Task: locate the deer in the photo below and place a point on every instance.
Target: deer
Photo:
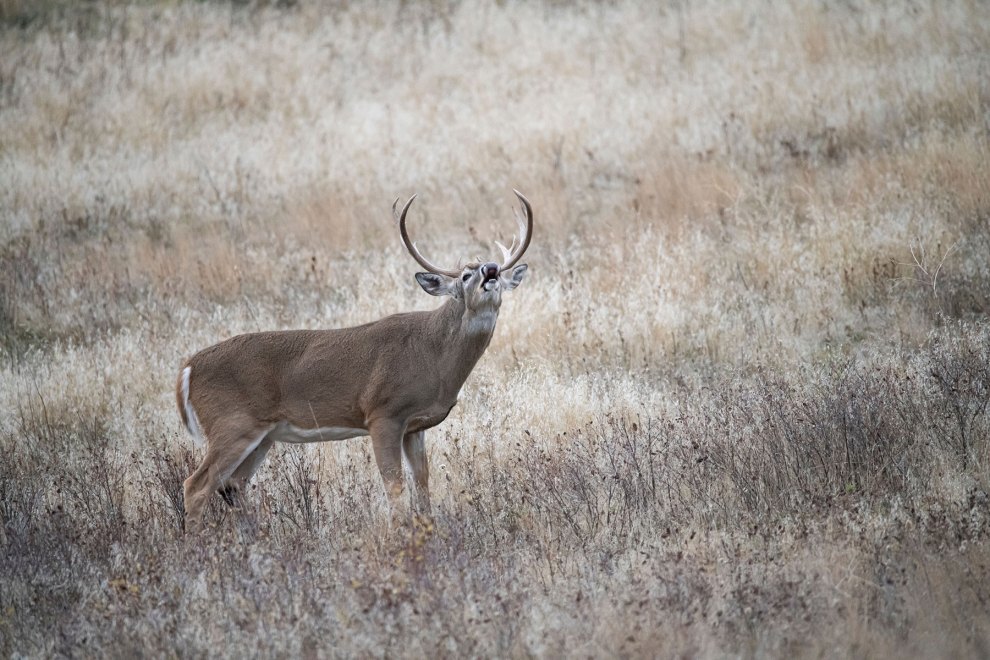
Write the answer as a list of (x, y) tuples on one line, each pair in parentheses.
[(391, 379)]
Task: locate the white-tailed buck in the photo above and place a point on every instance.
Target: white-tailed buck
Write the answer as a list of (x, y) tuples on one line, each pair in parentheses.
[(391, 379)]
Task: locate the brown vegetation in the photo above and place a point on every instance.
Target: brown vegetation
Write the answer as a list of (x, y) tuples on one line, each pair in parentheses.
[(740, 407)]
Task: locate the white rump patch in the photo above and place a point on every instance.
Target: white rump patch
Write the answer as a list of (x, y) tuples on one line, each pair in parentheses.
[(192, 421), (286, 432)]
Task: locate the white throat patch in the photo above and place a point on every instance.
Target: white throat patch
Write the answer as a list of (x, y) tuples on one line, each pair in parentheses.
[(481, 322)]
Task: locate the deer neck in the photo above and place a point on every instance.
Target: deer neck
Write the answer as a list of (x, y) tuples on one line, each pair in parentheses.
[(466, 334)]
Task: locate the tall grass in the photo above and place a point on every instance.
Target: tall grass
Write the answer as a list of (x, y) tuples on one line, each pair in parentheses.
[(738, 408)]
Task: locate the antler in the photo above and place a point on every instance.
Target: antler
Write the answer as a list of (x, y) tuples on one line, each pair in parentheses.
[(506, 251), (512, 254), (423, 261)]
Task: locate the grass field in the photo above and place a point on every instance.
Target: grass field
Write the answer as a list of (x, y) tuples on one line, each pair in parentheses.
[(738, 407)]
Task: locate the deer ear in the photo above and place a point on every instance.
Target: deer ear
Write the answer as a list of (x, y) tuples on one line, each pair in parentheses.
[(435, 285), (517, 275)]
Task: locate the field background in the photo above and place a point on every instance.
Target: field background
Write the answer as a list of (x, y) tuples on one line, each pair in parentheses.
[(738, 407)]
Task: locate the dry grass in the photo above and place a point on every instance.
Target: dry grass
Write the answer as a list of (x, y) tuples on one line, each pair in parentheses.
[(739, 407)]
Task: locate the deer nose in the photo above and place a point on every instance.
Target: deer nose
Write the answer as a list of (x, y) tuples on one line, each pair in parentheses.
[(489, 270)]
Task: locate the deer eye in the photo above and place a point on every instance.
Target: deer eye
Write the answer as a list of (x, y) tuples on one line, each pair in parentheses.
[(465, 277)]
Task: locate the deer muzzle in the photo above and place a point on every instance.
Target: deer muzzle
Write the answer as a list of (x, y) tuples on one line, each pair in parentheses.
[(489, 271)]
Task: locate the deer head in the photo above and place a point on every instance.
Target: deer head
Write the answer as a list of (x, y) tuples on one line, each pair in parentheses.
[(478, 285)]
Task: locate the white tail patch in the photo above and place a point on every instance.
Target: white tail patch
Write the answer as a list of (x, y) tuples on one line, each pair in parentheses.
[(192, 421)]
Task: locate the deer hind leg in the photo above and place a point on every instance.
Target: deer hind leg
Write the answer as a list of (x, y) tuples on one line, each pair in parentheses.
[(414, 447), (236, 484), (228, 447)]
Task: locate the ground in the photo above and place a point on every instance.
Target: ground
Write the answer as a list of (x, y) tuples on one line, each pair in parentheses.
[(737, 408)]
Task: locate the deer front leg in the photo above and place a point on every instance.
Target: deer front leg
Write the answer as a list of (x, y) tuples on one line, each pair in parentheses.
[(386, 438), (414, 447)]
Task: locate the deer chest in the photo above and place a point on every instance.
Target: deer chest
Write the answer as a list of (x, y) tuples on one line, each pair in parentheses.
[(430, 417)]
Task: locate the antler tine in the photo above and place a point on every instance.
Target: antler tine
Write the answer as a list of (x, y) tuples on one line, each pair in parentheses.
[(506, 251), (411, 247), (525, 232)]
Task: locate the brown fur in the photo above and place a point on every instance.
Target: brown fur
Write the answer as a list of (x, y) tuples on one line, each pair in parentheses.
[(347, 377), (395, 377)]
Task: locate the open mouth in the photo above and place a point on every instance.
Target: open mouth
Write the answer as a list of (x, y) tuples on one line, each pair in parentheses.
[(490, 283)]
